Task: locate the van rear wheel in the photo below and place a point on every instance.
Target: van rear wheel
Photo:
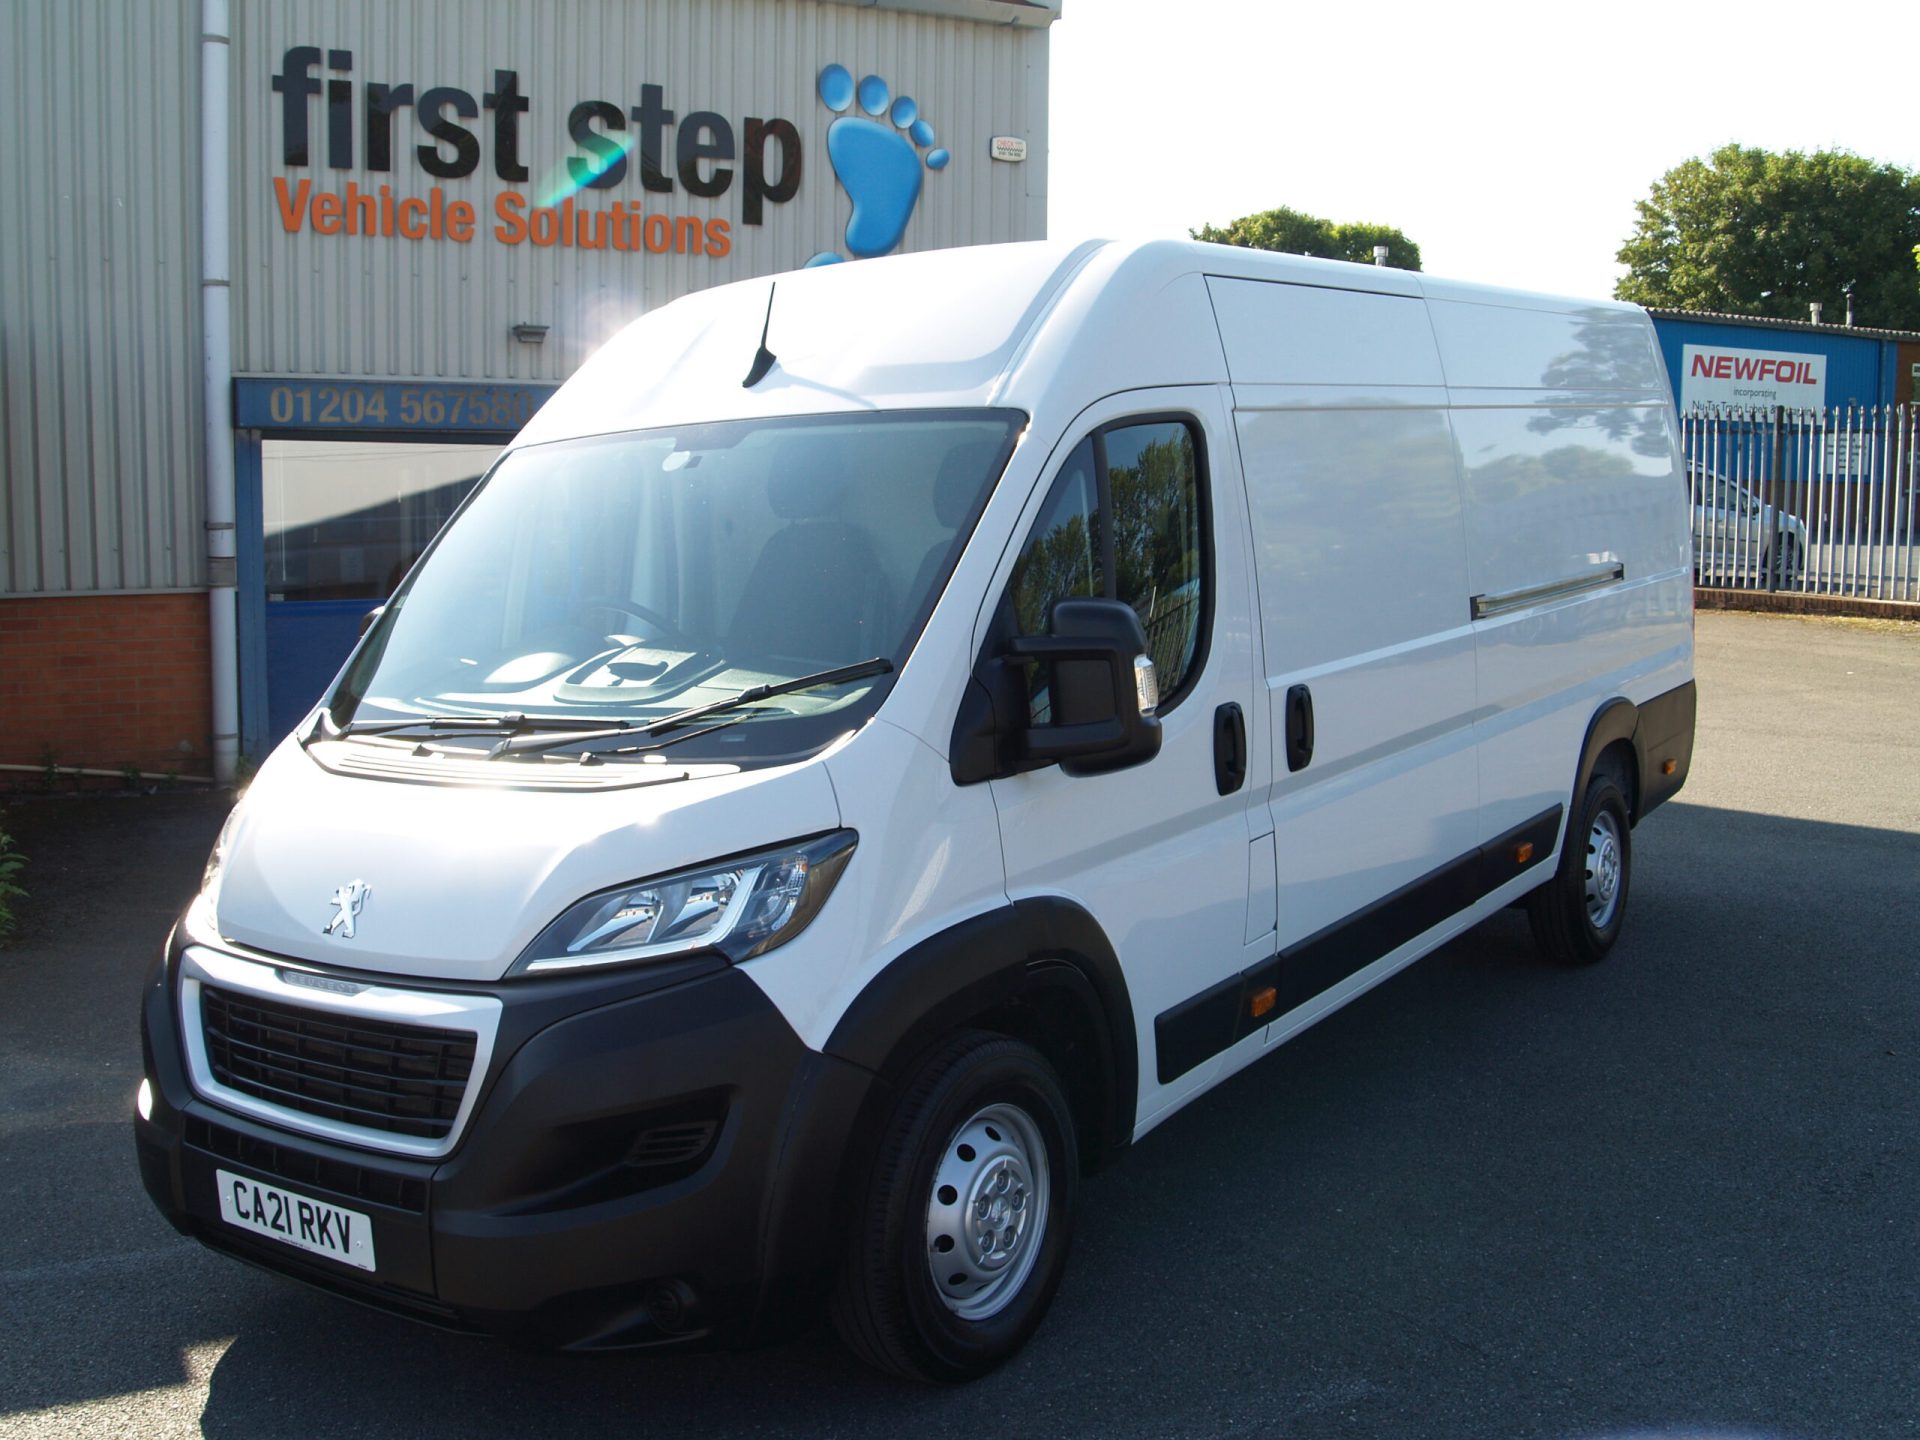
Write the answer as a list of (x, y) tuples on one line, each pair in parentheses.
[(1576, 916), (962, 1227)]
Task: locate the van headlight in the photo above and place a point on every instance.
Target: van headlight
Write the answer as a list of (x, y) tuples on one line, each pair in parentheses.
[(199, 919), (740, 907), (217, 857)]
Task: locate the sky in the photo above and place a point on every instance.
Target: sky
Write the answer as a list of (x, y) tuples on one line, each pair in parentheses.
[(1509, 142)]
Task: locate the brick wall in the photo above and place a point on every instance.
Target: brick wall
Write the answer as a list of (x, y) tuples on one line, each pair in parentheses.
[(105, 681)]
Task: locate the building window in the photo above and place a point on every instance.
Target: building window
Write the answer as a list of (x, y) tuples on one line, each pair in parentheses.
[(346, 519)]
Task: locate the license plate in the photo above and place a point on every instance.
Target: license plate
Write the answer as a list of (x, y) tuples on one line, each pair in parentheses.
[(311, 1225)]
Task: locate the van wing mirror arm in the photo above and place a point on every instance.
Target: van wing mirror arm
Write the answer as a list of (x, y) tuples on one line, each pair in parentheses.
[(1048, 743), (979, 750)]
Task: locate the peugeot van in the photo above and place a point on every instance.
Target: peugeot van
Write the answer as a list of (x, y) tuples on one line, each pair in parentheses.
[(885, 738)]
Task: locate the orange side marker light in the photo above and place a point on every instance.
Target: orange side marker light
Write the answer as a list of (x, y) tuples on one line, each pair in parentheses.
[(1262, 1001), (1667, 767), (1523, 852)]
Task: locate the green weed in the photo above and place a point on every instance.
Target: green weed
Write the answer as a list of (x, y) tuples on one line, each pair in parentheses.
[(12, 862)]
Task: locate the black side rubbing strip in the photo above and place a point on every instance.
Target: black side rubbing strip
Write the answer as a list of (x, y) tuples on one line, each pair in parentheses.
[(1202, 1026), (1197, 1029), (1499, 857)]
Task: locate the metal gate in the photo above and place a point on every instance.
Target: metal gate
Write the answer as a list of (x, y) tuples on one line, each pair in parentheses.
[(1816, 502)]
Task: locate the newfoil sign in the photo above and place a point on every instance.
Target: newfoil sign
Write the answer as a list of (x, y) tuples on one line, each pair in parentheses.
[(1720, 375)]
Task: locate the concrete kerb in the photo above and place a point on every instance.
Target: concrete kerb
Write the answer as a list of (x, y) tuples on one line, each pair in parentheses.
[(1793, 602)]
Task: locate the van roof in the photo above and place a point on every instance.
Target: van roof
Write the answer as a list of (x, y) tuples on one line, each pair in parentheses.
[(990, 325)]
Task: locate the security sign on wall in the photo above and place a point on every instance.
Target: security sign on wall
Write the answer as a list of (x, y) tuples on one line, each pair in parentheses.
[(1718, 375)]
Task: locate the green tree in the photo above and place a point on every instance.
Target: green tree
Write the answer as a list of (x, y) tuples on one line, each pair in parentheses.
[(1749, 232), (1294, 233)]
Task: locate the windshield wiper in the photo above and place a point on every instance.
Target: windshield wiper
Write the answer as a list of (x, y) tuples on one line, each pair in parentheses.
[(593, 757), (530, 745), (512, 723)]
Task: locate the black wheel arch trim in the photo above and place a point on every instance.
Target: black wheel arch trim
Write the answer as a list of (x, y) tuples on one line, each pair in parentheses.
[(985, 963), (1659, 731), (1612, 724)]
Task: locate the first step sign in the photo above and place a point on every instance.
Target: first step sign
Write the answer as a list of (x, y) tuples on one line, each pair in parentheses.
[(1717, 375)]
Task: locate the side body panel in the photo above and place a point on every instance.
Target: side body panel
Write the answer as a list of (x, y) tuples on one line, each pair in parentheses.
[(1572, 478), (1358, 531)]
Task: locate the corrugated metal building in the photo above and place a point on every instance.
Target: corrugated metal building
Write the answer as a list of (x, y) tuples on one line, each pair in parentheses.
[(1716, 358), (434, 212)]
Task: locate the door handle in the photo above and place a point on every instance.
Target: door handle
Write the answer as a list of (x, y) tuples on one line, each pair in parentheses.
[(1229, 748), (1299, 727)]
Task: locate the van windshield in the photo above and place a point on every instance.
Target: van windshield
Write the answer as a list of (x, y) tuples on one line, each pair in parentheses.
[(620, 579)]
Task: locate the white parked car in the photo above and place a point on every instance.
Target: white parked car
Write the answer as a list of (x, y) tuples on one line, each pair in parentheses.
[(1737, 537), (883, 740)]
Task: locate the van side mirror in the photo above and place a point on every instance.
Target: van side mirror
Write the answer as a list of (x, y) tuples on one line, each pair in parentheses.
[(1102, 692), (367, 620)]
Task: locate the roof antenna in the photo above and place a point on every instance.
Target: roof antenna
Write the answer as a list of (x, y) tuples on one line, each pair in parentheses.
[(763, 361)]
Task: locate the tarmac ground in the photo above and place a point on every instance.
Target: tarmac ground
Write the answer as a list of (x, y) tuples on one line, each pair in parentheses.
[(1677, 1194)]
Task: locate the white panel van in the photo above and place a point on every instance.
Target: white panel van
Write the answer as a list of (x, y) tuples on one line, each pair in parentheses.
[(885, 738)]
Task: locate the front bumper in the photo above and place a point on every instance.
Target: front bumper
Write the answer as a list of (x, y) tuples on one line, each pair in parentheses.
[(554, 1219)]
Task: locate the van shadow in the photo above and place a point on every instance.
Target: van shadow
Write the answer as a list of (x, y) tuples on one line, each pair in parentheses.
[(98, 1296), (1488, 1194)]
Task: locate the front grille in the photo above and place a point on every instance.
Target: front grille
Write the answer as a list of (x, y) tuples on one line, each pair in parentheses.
[(401, 1079), (283, 1162), (673, 1145)]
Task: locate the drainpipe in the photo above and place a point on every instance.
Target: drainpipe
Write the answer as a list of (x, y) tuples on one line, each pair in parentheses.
[(216, 387)]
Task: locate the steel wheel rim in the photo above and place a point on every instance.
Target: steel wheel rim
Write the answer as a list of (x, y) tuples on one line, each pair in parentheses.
[(987, 1211), (1606, 865)]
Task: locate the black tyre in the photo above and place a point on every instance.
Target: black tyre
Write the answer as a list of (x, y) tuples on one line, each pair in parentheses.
[(1576, 915), (1786, 561), (963, 1223)]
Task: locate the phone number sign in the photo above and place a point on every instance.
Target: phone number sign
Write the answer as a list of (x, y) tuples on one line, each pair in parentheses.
[(392, 406)]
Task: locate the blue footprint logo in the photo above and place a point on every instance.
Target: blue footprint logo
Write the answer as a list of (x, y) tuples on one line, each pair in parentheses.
[(876, 162)]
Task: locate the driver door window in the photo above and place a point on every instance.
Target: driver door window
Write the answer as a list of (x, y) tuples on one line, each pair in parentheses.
[(1124, 521)]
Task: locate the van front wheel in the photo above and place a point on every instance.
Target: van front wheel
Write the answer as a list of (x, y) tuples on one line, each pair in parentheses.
[(961, 1230), (1576, 915)]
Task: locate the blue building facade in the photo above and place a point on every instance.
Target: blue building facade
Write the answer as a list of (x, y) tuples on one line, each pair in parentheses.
[(1860, 366)]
